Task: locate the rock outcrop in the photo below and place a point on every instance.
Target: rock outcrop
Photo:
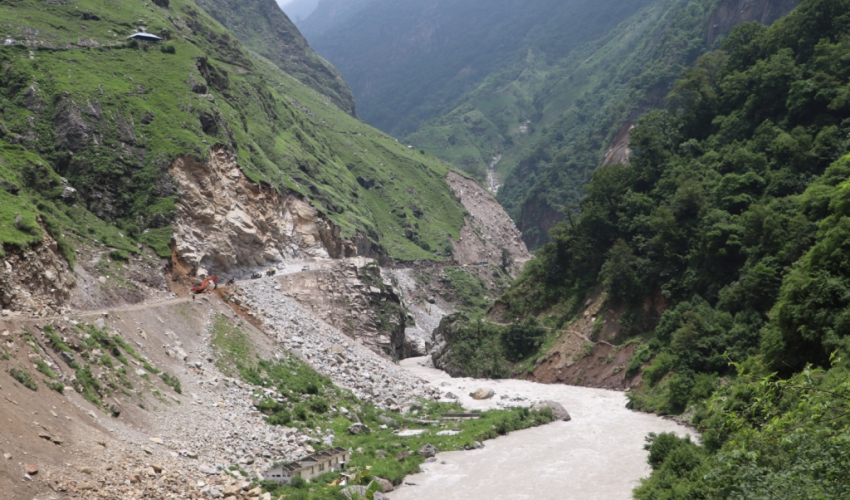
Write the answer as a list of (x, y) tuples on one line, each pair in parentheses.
[(352, 296), (227, 224), (730, 13), (488, 230), (36, 279)]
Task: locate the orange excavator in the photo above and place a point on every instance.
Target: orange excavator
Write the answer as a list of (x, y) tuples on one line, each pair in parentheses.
[(203, 286)]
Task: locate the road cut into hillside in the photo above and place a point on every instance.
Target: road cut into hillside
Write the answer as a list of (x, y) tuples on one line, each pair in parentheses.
[(598, 455)]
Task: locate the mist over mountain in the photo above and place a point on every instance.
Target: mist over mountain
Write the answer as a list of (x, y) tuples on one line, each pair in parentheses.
[(407, 61), (298, 10)]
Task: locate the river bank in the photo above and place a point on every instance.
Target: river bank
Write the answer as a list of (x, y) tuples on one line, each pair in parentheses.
[(598, 455)]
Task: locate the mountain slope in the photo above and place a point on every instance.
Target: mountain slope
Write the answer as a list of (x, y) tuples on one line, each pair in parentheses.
[(263, 28), (92, 128), (407, 61), (544, 126), (328, 14), (717, 260)]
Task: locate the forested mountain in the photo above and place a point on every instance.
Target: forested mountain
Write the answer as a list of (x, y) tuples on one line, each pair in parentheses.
[(91, 124), (408, 60), (724, 246), (328, 14), (550, 122)]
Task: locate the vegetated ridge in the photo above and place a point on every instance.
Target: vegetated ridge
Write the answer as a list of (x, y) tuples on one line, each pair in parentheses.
[(263, 28), (91, 125), (720, 250), (543, 123), (408, 61)]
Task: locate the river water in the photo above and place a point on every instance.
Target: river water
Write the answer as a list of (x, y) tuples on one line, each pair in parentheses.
[(598, 455)]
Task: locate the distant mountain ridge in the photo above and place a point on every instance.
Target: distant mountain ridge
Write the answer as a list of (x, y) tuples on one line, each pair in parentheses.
[(552, 124), (408, 61)]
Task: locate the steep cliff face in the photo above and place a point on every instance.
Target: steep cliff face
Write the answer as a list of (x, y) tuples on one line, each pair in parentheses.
[(226, 223), (488, 230), (263, 27), (351, 295), (730, 13)]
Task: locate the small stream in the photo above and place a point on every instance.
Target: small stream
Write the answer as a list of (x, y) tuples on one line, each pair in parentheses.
[(598, 455)]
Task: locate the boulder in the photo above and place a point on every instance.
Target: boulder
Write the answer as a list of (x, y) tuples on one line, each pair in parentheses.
[(358, 428), (483, 393), (428, 450), (386, 485), (31, 469), (558, 411), (359, 490)]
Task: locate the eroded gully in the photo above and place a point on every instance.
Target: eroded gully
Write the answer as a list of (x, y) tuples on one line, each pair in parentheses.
[(598, 455)]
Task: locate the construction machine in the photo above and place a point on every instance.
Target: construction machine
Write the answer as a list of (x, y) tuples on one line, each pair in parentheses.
[(203, 286)]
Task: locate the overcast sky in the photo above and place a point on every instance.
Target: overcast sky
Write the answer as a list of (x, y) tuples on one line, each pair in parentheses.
[(296, 9)]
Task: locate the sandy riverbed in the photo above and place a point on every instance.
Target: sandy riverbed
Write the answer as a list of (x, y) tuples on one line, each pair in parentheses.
[(598, 455)]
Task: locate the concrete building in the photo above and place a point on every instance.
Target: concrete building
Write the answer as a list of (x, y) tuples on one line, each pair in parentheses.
[(308, 467)]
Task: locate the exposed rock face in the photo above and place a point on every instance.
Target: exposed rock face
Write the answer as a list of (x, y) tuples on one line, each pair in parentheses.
[(619, 150), (353, 297), (488, 230), (226, 223), (731, 13), (36, 279)]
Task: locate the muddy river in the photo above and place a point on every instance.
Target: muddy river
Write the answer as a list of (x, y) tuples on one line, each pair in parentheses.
[(598, 455)]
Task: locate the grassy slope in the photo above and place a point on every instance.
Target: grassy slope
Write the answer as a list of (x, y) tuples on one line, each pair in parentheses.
[(265, 29), (588, 93), (138, 113)]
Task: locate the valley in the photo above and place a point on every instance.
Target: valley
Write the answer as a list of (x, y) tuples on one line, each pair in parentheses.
[(547, 249)]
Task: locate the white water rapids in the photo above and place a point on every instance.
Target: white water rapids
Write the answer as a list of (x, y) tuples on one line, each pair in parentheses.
[(598, 455)]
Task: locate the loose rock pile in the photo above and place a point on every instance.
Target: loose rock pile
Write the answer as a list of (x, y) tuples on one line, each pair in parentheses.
[(349, 364)]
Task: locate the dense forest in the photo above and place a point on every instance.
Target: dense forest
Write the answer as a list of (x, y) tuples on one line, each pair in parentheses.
[(733, 219), (551, 117)]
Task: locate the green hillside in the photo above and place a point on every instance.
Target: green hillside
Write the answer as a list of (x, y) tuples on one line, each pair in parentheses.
[(407, 61), (79, 101), (732, 219), (551, 122), (263, 28)]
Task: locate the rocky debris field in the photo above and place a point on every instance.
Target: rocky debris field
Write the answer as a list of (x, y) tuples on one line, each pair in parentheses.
[(161, 443), (351, 296), (349, 364), (488, 230)]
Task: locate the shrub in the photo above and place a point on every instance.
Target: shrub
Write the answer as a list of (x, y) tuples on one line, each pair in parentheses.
[(119, 255), (319, 405), (25, 378), (660, 366)]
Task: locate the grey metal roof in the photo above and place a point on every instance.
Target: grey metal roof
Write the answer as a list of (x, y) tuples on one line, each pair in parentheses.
[(141, 35)]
